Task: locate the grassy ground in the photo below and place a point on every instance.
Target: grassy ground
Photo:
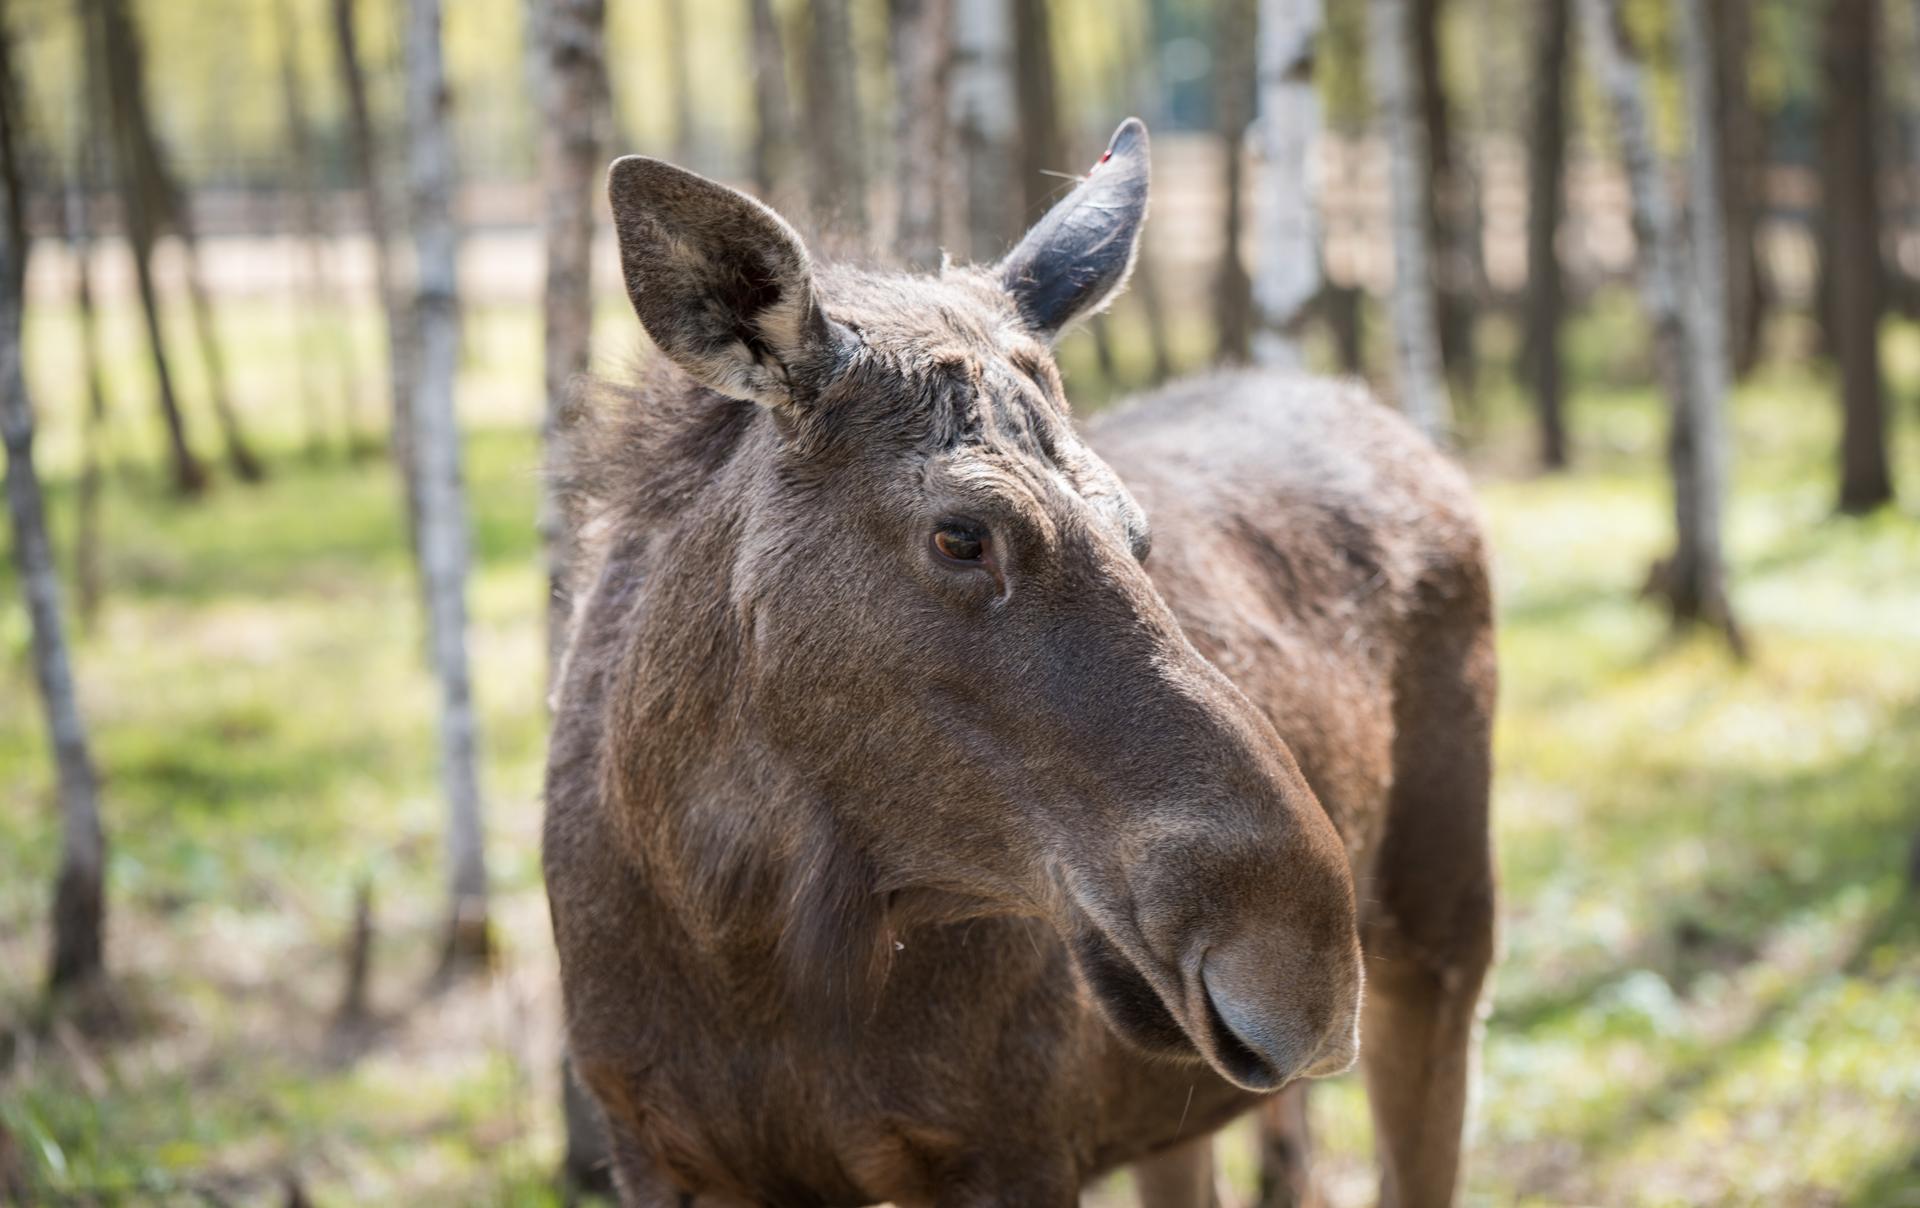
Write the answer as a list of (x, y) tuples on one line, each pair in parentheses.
[(1712, 964)]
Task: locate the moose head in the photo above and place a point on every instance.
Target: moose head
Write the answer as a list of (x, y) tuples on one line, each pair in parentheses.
[(951, 687)]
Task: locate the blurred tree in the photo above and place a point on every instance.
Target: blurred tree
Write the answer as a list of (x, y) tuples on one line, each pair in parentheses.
[(1854, 301), (113, 90), (1417, 359), (87, 574), (443, 518), (1683, 287), (772, 132), (836, 164), (1449, 198), (162, 204), (577, 110), (1233, 104), (1288, 277), (920, 42), (1546, 173), (319, 291), (79, 900), (1742, 173), (983, 95), (378, 204), (1042, 154)]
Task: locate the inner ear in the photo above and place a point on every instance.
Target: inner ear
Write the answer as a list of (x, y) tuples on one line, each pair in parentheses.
[(722, 284), (1076, 259)]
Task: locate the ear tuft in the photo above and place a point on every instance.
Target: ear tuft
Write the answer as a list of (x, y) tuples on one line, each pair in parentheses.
[(721, 283), (1076, 259)]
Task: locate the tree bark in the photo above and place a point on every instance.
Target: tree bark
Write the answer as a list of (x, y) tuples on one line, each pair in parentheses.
[(1042, 150), (1742, 177), (1422, 382), (443, 520), (772, 131), (113, 91), (79, 896), (834, 147), (1449, 198), (1287, 279), (1546, 288), (573, 151), (983, 127), (377, 202), (87, 573), (920, 42), (1853, 270), (1233, 103), (1684, 298)]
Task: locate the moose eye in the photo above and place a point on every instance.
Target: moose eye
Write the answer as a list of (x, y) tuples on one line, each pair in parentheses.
[(960, 543)]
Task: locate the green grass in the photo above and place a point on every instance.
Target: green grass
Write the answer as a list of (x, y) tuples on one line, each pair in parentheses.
[(1712, 962)]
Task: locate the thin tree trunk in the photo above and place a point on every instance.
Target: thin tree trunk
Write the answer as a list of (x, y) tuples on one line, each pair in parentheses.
[(314, 236), (1546, 288), (1448, 197), (377, 199), (1684, 301), (578, 108), (112, 91), (443, 518), (246, 465), (1853, 270), (1153, 308), (983, 122), (1042, 150), (834, 145), (1233, 102), (1741, 178), (773, 127), (1287, 279), (573, 148), (79, 896), (1416, 339), (88, 578), (920, 43)]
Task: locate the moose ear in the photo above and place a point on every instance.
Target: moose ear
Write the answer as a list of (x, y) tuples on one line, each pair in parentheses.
[(1073, 262), (722, 284)]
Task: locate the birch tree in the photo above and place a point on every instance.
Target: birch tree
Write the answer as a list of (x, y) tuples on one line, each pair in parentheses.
[(1682, 289), (1546, 173), (1287, 277), (436, 438), (920, 43), (1855, 292), (79, 898), (378, 206), (983, 126), (1416, 338)]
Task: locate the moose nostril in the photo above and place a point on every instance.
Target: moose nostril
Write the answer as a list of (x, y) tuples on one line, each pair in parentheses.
[(1254, 1052)]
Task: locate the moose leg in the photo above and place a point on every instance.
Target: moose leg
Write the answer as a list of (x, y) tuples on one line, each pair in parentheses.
[(1285, 1179), (1429, 932), (1180, 1177)]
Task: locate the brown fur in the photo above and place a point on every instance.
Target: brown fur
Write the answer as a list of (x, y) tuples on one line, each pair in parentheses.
[(877, 878)]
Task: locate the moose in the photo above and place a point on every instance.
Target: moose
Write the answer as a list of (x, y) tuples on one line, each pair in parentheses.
[(944, 808)]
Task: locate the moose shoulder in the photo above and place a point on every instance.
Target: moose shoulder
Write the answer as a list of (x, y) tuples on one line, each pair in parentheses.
[(912, 833)]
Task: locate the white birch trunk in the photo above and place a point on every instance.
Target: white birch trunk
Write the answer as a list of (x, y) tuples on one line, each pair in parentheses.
[(1684, 308), (574, 90), (1286, 277), (1418, 366), (79, 897), (443, 521)]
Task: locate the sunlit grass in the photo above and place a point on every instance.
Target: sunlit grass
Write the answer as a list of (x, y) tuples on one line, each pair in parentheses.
[(1712, 964)]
